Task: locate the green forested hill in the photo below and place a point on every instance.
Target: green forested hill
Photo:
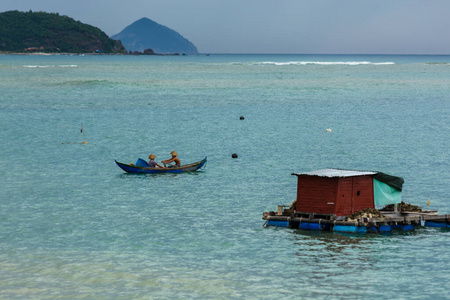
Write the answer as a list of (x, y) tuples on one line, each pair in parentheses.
[(50, 32)]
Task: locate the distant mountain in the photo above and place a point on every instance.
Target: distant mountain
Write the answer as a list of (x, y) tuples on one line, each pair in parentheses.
[(50, 32), (147, 34)]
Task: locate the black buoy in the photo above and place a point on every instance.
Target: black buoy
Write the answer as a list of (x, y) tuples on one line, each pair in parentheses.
[(242, 118), (234, 155)]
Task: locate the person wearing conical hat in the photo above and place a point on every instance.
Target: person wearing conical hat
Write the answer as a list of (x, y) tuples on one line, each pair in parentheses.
[(173, 159), (152, 162)]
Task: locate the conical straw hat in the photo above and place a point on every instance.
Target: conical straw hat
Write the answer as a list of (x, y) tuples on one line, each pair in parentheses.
[(152, 156), (174, 153)]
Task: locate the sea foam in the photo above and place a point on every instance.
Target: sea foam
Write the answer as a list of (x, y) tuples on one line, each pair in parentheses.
[(50, 66), (349, 63)]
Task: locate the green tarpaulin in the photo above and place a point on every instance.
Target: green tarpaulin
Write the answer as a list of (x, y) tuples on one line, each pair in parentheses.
[(393, 181), (385, 194)]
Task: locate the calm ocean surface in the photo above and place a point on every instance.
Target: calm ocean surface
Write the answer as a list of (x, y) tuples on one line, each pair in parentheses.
[(73, 225)]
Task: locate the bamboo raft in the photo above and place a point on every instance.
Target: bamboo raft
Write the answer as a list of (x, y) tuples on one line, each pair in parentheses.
[(403, 220)]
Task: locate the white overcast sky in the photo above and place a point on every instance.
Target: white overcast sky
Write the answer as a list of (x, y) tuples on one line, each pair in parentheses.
[(274, 26)]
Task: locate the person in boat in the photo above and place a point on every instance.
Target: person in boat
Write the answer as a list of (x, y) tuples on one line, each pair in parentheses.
[(174, 159), (152, 162)]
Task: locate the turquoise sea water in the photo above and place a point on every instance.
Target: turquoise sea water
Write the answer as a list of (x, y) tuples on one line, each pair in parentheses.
[(73, 225)]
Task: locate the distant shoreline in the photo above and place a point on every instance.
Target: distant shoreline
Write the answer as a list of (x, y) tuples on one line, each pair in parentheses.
[(94, 54), (204, 54), (56, 53)]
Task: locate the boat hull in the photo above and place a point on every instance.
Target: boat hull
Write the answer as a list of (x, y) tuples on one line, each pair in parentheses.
[(130, 168)]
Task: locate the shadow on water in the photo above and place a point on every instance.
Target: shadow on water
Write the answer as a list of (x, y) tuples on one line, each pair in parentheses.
[(158, 175), (143, 176), (339, 240)]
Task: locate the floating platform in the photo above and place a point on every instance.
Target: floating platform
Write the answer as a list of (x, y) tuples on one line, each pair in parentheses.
[(344, 201), (404, 221)]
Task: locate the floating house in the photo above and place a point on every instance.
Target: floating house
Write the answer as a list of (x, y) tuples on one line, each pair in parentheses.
[(344, 192), (345, 201)]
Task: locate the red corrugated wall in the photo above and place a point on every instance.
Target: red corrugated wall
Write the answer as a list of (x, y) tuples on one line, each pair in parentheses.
[(362, 193), (316, 194), (339, 196), (344, 205)]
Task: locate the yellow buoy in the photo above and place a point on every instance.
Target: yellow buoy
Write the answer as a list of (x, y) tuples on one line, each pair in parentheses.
[(429, 201)]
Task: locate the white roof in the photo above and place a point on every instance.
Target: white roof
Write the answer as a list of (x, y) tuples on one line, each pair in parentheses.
[(336, 173)]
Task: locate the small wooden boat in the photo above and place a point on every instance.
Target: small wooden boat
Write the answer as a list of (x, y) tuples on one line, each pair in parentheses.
[(142, 167)]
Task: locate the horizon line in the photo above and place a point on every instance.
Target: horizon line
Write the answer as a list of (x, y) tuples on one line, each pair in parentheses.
[(381, 54)]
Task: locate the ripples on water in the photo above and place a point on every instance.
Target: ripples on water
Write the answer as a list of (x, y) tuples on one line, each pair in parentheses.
[(73, 225)]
